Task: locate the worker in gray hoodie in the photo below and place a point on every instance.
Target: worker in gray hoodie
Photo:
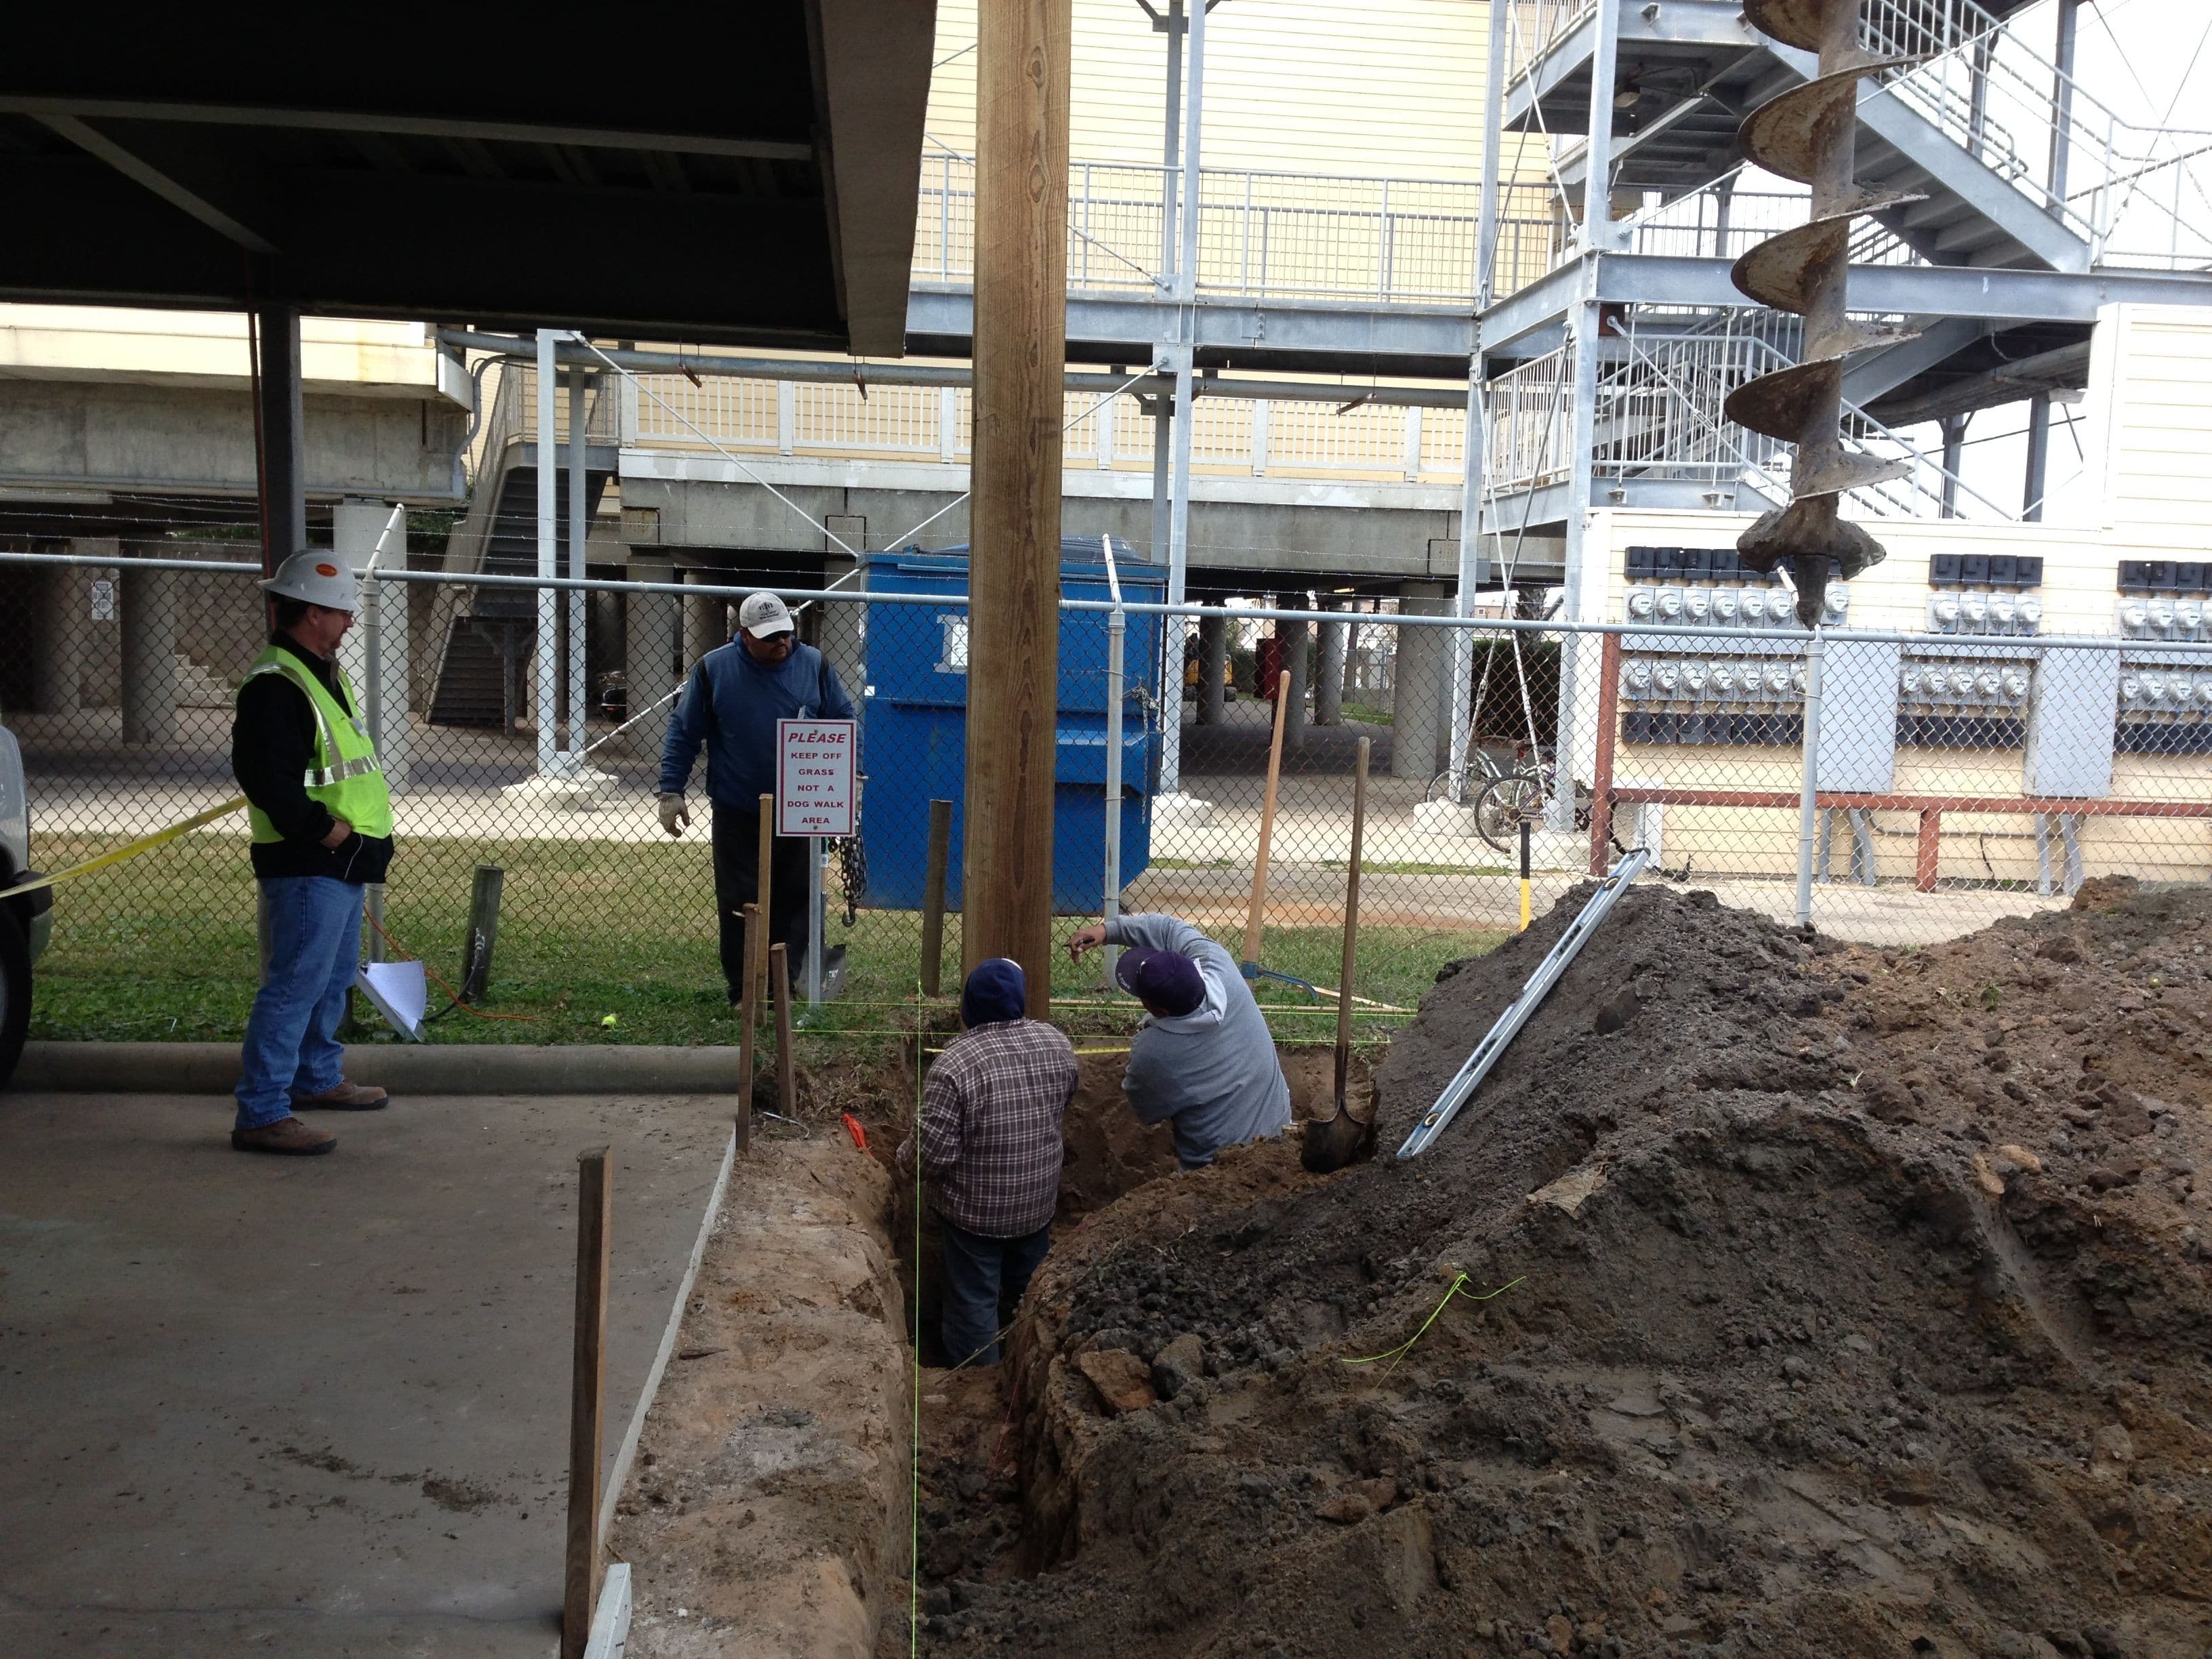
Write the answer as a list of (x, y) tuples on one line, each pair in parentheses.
[(1203, 1060)]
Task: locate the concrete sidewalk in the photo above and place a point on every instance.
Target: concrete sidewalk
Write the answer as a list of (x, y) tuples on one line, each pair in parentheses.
[(313, 1406)]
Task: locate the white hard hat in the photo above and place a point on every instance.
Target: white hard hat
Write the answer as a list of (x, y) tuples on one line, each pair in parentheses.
[(318, 577), (763, 614)]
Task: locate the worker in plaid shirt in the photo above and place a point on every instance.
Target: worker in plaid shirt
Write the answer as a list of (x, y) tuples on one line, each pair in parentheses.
[(990, 1150)]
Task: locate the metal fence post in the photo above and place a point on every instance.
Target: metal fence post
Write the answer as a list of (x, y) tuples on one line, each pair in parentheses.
[(547, 687), (1117, 625), (1809, 788)]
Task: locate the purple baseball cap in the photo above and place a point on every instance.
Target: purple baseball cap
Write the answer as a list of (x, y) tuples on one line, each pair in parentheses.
[(1166, 980)]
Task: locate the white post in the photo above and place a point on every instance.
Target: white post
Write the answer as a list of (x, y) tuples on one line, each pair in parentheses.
[(1187, 253), (1117, 624), (1185, 412), (1808, 792), (814, 921), (579, 492), (369, 535), (1178, 570), (547, 677), (1116, 641), (1470, 575)]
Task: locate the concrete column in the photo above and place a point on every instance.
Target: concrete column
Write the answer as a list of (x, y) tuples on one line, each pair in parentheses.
[(148, 600), (1295, 680), (1212, 663), (1417, 694), (650, 640), (706, 620), (64, 658), (375, 653), (1328, 688)]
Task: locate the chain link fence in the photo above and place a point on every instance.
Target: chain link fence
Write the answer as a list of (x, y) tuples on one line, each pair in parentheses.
[(1959, 777)]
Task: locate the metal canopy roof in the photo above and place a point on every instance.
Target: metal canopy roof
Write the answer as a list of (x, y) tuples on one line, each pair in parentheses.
[(744, 174)]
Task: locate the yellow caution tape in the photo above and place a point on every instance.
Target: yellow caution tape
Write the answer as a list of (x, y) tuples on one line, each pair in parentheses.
[(1406, 1348), (129, 849)]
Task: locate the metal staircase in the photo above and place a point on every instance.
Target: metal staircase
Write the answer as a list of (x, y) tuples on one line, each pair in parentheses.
[(487, 634), (2017, 165), (2023, 201)]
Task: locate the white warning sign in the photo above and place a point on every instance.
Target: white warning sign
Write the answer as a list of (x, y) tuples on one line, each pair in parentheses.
[(815, 761)]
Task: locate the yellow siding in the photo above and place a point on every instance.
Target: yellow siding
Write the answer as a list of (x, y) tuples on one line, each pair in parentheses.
[(1393, 88), (2149, 385)]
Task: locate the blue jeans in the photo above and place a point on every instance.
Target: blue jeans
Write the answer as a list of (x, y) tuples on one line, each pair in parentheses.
[(291, 1036), (984, 1279)]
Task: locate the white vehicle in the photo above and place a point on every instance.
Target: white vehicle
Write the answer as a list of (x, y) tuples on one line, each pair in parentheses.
[(26, 921)]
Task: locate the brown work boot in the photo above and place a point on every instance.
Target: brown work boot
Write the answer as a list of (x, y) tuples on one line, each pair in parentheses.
[(287, 1137), (346, 1097)]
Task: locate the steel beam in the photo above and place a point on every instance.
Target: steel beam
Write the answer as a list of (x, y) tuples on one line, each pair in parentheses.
[(1133, 325), (158, 179), (330, 120)]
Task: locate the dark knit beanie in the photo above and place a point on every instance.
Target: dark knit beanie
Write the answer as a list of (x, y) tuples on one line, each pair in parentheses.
[(997, 990)]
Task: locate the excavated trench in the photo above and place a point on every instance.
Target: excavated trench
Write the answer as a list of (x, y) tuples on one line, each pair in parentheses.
[(1858, 1305), (770, 1511)]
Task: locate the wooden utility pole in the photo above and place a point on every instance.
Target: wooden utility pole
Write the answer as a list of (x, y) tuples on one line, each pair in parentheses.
[(1021, 347)]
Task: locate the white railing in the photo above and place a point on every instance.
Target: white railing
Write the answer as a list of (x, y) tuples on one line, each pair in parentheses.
[(2139, 196), (1660, 415), (1532, 27), (1290, 236), (602, 406), (2136, 194), (1233, 436), (1724, 221), (1528, 425)]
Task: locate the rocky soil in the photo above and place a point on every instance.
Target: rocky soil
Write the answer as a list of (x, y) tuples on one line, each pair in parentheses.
[(1858, 1306)]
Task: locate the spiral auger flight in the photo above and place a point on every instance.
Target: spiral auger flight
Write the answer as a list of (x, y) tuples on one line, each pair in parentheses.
[(1810, 134)]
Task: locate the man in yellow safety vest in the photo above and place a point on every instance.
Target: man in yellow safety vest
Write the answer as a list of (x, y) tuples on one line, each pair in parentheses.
[(322, 830)]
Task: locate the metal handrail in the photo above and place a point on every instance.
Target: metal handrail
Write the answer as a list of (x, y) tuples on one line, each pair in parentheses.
[(1403, 241)]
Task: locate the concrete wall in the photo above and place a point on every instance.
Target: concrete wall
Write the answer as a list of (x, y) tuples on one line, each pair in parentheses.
[(109, 435), (1317, 536)]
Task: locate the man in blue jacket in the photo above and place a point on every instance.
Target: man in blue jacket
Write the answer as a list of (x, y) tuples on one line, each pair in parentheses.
[(731, 705)]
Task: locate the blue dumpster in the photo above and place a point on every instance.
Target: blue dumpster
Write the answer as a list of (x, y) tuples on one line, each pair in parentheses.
[(914, 743)]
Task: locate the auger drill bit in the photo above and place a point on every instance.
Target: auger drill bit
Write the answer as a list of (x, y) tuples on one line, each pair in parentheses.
[(1810, 133)]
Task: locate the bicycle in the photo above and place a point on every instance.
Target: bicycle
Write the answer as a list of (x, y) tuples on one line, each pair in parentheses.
[(1471, 779), (1507, 801)]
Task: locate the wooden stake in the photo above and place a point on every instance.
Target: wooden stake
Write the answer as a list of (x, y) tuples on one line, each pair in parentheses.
[(756, 948), (484, 932), (1267, 824), (1021, 347), (779, 974), (1344, 998), (748, 1019), (932, 897), (587, 1408)]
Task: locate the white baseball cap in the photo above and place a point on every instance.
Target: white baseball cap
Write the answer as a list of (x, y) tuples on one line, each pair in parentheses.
[(763, 614), (318, 577)]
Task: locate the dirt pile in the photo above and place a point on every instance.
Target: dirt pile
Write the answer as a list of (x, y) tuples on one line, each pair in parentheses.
[(1860, 1309)]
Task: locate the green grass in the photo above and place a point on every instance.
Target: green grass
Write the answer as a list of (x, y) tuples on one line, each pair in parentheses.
[(1368, 714), (163, 948)]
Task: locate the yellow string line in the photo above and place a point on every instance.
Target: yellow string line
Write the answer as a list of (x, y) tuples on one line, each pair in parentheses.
[(914, 1560), (129, 849), (1398, 1352), (1123, 1049), (1373, 1011)]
